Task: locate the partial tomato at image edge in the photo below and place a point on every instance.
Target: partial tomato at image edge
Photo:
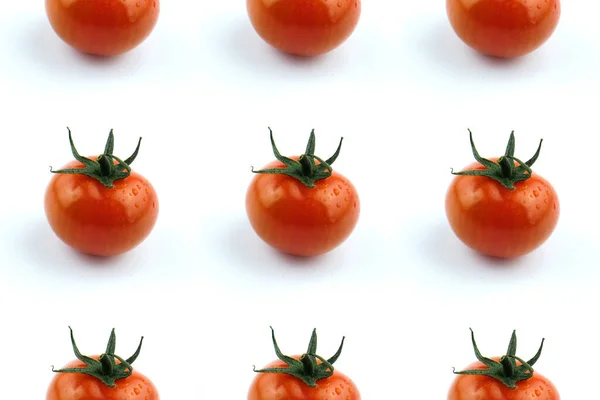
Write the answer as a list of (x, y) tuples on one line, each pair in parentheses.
[(302, 377), (304, 27), (300, 205), (504, 28), (502, 378), (103, 28), (106, 376), (98, 205), (499, 207)]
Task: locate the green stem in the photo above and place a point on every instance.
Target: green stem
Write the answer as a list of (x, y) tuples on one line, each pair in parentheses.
[(105, 165), (107, 365), (504, 170), (103, 169), (506, 369), (305, 169), (308, 364), (306, 368), (307, 165), (507, 366), (507, 166)]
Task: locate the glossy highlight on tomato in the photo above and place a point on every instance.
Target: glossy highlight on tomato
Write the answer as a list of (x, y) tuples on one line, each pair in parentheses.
[(501, 222), (103, 27), (504, 28), (97, 219), (304, 27), (302, 218)]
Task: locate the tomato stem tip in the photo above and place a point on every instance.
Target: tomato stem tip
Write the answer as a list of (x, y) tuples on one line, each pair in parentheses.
[(506, 370), (105, 368), (504, 171), (306, 170), (103, 168), (307, 369)]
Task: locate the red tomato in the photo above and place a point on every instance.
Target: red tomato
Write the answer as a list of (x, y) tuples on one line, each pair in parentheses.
[(97, 219), (301, 219), (304, 27), (281, 386), (109, 380), (476, 387), (504, 28), (473, 386), (497, 221), (103, 27), (297, 383)]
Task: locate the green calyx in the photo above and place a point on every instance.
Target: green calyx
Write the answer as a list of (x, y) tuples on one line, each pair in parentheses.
[(306, 368), (506, 370), (306, 170), (103, 169), (504, 170), (105, 368)]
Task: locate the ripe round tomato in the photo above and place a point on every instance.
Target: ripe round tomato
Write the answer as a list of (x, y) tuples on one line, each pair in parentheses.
[(475, 387), (99, 219), (497, 221), (302, 218), (505, 378), (304, 27), (106, 380), (103, 27), (304, 377), (282, 386), (504, 28)]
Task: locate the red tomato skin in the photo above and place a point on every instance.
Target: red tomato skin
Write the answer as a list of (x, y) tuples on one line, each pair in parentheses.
[(275, 386), (499, 222), (97, 220), (73, 386), (304, 27), (479, 387), (299, 220), (103, 27), (504, 28)]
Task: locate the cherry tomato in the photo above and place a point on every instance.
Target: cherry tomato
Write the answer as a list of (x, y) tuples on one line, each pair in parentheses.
[(103, 27), (101, 378), (504, 28), (502, 378), (304, 377), (501, 211), (106, 213), (304, 27), (301, 206)]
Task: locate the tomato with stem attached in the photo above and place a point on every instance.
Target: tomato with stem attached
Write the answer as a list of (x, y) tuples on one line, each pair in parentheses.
[(500, 207), (302, 377), (304, 27), (103, 28), (504, 28), (104, 377), (502, 378), (98, 205), (300, 205)]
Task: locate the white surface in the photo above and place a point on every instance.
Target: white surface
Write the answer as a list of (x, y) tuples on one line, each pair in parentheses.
[(203, 289)]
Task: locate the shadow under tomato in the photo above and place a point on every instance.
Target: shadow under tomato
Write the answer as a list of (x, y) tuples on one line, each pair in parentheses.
[(48, 255), (442, 249), (48, 54), (247, 254), (244, 49), (443, 50)]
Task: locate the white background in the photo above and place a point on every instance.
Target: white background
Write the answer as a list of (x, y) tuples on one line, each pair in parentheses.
[(203, 289)]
